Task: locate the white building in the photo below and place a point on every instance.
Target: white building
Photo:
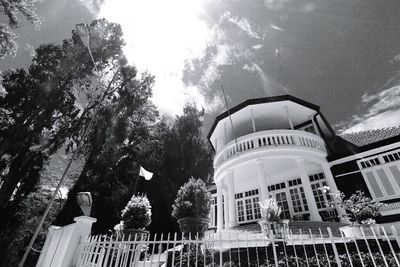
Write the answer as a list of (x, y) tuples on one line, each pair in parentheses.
[(283, 147)]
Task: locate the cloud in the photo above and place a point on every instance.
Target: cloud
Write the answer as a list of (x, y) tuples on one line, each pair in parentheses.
[(93, 6), (161, 36), (383, 110), (243, 24)]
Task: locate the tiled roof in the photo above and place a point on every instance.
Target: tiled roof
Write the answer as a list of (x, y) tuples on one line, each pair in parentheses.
[(363, 138)]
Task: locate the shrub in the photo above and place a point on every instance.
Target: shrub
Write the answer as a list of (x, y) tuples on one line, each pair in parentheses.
[(137, 213), (193, 200), (359, 208), (270, 210)]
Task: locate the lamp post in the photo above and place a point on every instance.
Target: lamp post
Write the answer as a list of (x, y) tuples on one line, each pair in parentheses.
[(84, 35)]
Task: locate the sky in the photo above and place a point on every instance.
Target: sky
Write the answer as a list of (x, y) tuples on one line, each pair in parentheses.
[(341, 55)]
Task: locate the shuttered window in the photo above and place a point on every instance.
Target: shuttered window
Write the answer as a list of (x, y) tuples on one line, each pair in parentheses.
[(374, 185)]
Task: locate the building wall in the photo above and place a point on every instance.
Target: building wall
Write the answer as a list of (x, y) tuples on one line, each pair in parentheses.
[(377, 173)]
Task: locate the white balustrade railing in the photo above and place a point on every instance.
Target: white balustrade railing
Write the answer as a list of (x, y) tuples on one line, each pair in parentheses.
[(390, 208), (369, 246), (269, 139)]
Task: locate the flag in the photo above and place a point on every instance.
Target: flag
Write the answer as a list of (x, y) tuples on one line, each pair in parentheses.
[(146, 174)]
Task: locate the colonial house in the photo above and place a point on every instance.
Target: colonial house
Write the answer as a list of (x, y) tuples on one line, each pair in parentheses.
[(283, 147)]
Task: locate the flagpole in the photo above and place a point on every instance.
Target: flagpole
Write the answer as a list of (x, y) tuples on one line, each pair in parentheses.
[(230, 118), (136, 182)]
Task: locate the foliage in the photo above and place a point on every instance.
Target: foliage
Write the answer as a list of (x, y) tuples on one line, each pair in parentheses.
[(360, 209), (12, 9), (193, 255), (193, 200), (23, 223), (137, 213), (270, 210)]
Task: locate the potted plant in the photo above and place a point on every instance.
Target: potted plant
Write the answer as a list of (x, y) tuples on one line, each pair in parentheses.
[(272, 225), (136, 216), (192, 207), (361, 212)]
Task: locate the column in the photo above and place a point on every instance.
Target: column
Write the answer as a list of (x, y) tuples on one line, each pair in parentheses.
[(231, 199), (289, 118), (262, 183), (315, 126), (226, 210), (305, 180), (252, 121), (333, 188), (220, 214)]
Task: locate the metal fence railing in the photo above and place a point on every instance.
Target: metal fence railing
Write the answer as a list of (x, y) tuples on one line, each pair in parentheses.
[(368, 247)]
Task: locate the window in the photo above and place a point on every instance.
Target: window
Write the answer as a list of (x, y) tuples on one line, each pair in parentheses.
[(294, 182), (281, 199), (382, 175), (392, 157), (249, 210), (299, 201), (370, 163), (383, 182), (213, 212), (247, 206), (320, 198), (316, 177), (276, 187), (240, 210)]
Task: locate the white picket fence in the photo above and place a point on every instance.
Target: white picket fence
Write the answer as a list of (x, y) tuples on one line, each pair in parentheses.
[(372, 248)]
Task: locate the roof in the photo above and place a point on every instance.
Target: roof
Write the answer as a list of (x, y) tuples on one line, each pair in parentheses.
[(364, 138), (256, 101)]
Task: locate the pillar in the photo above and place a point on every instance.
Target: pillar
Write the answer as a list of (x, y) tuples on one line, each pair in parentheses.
[(220, 215), (333, 188), (231, 199), (226, 210), (252, 121), (305, 180), (315, 126), (262, 183), (62, 252), (289, 118)]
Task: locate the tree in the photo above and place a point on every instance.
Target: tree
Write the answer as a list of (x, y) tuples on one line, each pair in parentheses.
[(40, 109), (13, 9), (184, 154), (22, 224), (47, 105), (115, 144)]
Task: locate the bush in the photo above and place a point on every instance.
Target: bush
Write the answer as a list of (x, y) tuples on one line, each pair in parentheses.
[(193, 200), (359, 208), (137, 213)]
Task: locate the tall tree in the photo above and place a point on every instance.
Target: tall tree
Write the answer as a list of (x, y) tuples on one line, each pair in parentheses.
[(115, 145), (13, 10), (40, 111)]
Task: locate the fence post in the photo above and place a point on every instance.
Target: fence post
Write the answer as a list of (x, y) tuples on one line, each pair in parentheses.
[(63, 252), (46, 244), (82, 229), (339, 263)]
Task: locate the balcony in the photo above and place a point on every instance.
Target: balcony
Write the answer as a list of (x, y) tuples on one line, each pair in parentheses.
[(271, 139)]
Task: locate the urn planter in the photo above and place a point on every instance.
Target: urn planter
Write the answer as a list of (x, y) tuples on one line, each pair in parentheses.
[(135, 234), (193, 227), (275, 229)]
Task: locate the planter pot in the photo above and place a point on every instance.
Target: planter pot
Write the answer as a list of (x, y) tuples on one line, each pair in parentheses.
[(135, 234), (193, 227), (279, 229), (356, 231)]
